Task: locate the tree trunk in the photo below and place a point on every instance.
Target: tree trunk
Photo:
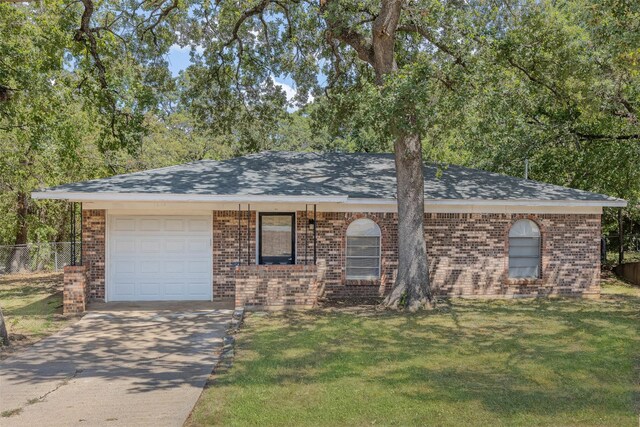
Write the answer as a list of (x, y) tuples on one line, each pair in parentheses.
[(412, 289), (17, 261), (4, 335)]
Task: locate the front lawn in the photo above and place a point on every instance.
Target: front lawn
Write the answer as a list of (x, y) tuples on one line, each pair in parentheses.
[(32, 308), (469, 362)]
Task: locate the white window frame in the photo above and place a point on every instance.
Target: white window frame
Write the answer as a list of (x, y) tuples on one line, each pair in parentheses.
[(539, 250), (347, 256)]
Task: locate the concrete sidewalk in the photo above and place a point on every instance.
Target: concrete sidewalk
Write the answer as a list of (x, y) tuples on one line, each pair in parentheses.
[(132, 365)]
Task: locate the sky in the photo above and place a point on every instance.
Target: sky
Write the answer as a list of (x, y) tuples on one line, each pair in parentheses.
[(179, 59)]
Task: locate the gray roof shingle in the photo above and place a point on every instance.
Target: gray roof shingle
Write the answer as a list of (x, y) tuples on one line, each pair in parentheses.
[(360, 175)]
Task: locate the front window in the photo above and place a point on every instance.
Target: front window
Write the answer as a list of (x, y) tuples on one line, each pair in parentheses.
[(363, 250), (276, 238), (524, 250)]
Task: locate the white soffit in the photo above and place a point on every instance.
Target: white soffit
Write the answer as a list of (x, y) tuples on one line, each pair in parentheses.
[(150, 197)]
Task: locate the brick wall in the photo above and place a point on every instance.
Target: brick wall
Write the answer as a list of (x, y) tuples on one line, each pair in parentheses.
[(93, 251), (276, 287), (330, 247), (231, 248), (467, 256), (75, 293)]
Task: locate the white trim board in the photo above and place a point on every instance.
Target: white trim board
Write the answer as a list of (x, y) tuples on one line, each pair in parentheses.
[(192, 208), (200, 198), (160, 197)]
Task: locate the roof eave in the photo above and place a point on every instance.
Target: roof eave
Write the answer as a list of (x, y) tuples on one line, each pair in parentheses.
[(160, 197), (501, 202)]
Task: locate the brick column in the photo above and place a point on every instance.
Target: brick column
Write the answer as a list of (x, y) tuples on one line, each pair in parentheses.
[(93, 251), (75, 289)]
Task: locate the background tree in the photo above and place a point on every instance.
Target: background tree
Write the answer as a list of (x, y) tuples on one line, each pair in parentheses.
[(478, 83)]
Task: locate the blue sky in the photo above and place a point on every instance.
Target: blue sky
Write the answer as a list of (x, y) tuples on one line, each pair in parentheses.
[(179, 59)]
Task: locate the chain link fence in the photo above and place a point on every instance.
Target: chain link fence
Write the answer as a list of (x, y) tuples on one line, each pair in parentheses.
[(34, 257)]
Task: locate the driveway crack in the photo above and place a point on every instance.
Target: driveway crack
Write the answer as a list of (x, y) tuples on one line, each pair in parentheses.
[(65, 381)]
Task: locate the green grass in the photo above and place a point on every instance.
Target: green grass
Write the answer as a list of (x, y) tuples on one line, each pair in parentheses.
[(529, 362), (32, 307)]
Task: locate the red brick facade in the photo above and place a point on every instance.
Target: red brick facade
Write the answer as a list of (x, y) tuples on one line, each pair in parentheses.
[(231, 247), (93, 251), (276, 287), (75, 293), (468, 256)]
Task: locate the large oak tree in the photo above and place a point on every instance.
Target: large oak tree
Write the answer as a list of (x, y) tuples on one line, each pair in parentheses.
[(408, 69), (481, 82)]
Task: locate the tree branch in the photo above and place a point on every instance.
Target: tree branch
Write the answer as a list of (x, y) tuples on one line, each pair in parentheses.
[(86, 35), (256, 10), (533, 78), (595, 137), (384, 31), (362, 46), (430, 37), (163, 14)]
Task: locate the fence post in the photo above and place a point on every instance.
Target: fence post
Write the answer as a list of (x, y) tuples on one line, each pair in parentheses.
[(620, 237), (55, 257)]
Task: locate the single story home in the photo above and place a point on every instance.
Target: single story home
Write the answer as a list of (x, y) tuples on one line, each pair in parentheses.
[(286, 229)]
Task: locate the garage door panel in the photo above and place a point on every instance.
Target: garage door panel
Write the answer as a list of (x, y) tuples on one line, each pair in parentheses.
[(125, 245), (124, 267), (175, 225), (174, 289), (124, 287), (199, 225), (150, 224), (197, 245), (149, 287), (150, 267), (150, 245), (159, 258), (175, 267), (175, 245), (198, 267), (124, 224)]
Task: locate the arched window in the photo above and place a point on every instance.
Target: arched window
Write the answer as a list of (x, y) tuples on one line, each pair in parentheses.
[(363, 250), (524, 250)]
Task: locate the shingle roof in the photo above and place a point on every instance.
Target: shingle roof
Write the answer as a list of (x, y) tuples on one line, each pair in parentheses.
[(361, 175)]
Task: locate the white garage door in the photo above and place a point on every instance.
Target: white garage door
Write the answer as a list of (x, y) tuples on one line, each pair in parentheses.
[(159, 258)]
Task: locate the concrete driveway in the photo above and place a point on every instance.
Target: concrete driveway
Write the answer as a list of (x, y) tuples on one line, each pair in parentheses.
[(122, 364)]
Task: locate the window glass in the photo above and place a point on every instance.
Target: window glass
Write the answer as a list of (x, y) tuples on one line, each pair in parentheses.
[(363, 250), (524, 250), (276, 239)]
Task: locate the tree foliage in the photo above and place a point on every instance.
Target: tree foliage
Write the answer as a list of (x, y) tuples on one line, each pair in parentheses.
[(85, 89)]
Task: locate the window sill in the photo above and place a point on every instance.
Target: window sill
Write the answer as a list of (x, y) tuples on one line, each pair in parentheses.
[(276, 267), (361, 282), (512, 281)]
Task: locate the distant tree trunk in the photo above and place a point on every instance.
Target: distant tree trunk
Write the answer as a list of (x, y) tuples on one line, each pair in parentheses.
[(4, 335), (17, 261)]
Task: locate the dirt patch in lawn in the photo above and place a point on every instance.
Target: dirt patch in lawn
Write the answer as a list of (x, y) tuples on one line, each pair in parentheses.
[(32, 308)]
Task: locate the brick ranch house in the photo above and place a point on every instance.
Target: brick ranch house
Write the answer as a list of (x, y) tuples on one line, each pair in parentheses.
[(281, 229)]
